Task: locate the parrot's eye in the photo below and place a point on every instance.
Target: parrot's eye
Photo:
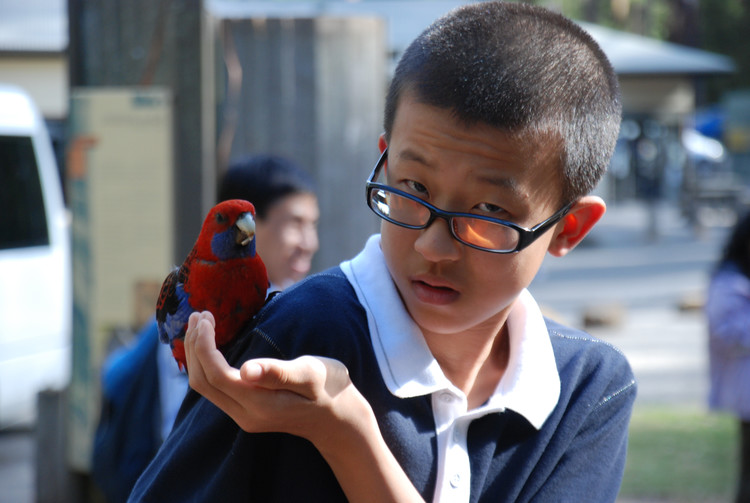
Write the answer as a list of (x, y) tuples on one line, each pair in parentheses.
[(221, 218)]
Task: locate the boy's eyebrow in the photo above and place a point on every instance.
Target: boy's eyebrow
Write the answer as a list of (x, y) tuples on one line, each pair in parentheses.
[(499, 181), (411, 155)]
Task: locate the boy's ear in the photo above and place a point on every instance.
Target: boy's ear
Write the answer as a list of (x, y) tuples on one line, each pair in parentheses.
[(576, 224)]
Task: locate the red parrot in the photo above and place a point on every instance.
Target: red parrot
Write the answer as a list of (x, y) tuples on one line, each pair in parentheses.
[(222, 274)]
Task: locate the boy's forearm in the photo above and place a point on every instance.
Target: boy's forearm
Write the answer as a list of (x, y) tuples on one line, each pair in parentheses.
[(362, 462)]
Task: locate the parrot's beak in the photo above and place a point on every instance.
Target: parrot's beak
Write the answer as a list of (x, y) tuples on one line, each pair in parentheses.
[(245, 229)]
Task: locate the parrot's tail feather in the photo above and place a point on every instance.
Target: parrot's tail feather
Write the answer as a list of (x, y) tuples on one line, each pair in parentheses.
[(178, 351)]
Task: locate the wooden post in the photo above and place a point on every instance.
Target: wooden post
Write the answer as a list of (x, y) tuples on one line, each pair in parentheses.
[(55, 483), (313, 90), (146, 43)]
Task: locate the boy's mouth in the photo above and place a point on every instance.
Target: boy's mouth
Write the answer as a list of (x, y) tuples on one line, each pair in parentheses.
[(434, 294)]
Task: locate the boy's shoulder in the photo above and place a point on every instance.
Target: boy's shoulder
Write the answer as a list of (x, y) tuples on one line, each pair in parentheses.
[(584, 360), (324, 294), (568, 342), (320, 315)]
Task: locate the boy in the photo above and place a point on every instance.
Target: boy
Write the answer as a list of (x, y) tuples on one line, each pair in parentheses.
[(446, 383)]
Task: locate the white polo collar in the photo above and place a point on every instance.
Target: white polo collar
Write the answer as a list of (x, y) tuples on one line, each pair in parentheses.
[(531, 384)]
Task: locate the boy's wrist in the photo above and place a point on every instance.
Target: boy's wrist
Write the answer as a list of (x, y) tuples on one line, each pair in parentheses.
[(359, 457), (353, 425)]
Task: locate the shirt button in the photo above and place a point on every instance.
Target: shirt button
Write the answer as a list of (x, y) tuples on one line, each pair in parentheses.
[(455, 480)]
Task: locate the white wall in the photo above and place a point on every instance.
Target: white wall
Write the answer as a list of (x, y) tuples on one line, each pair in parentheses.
[(45, 78)]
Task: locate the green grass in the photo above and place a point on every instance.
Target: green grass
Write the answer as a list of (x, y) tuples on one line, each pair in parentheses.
[(680, 454)]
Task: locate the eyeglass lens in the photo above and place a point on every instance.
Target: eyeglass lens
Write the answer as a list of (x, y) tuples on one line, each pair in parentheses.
[(477, 232)]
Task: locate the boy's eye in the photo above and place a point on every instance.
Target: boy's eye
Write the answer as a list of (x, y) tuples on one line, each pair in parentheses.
[(491, 209), (415, 187)]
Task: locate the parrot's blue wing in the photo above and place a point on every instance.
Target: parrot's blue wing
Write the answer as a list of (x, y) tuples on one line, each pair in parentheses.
[(173, 308)]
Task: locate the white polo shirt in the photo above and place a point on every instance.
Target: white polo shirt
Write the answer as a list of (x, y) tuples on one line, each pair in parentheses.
[(530, 385)]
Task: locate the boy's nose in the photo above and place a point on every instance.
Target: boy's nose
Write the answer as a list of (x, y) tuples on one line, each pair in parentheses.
[(436, 243), (309, 239)]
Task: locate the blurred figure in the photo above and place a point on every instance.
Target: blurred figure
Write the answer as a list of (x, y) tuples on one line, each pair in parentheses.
[(142, 387), (728, 313), (286, 213)]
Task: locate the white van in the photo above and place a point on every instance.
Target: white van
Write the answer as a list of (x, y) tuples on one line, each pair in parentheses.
[(35, 263)]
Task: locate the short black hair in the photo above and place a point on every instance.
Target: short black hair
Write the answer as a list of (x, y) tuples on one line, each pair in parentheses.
[(523, 69), (263, 180)]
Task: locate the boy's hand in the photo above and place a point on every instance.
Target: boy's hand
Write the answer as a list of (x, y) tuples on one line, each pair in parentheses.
[(311, 397)]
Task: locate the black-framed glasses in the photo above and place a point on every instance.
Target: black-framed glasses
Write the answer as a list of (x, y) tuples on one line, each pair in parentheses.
[(477, 231)]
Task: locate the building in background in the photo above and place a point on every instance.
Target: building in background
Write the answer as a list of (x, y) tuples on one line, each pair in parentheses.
[(33, 56)]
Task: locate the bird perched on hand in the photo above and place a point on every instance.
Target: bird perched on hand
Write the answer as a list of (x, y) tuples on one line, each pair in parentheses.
[(222, 274)]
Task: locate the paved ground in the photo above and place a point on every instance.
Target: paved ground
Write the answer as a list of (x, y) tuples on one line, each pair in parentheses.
[(16, 467), (633, 285)]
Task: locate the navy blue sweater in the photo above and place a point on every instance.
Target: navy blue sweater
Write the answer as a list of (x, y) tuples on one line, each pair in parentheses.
[(578, 455)]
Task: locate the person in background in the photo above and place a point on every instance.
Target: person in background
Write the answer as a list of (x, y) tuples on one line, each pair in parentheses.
[(727, 310), (142, 387), (286, 214)]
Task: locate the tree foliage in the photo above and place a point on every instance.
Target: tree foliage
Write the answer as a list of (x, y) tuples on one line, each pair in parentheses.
[(718, 26)]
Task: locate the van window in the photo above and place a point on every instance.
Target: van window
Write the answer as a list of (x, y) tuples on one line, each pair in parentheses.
[(23, 220)]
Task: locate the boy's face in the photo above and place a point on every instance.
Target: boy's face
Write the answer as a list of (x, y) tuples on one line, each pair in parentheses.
[(288, 238), (448, 287)]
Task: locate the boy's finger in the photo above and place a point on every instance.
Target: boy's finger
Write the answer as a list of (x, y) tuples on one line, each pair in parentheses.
[(213, 365), (307, 376), (208, 315), (296, 375), (211, 375)]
